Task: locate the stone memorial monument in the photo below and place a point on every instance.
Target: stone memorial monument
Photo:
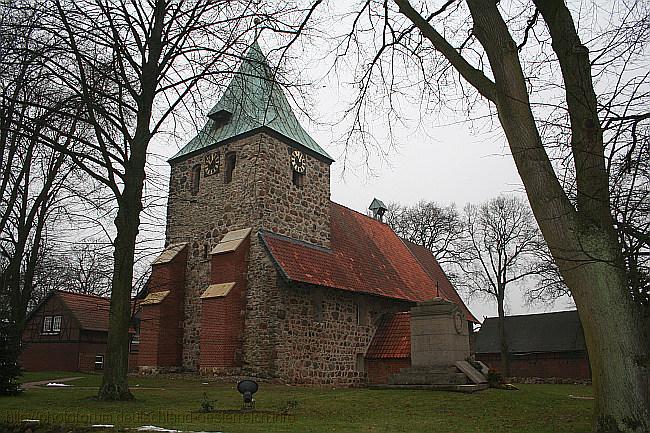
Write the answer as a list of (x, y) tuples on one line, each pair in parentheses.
[(439, 347)]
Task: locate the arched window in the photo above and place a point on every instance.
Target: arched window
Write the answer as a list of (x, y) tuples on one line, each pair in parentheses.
[(231, 162), (196, 178)]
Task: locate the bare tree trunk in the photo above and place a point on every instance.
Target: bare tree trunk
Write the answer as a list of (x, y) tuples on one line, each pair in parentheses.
[(114, 382), (618, 357), (116, 366), (503, 342), (583, 242)]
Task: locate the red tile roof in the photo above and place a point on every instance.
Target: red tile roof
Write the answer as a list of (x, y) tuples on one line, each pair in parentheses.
[(432, 267), (91, 311), (393, 337), (366, 256)]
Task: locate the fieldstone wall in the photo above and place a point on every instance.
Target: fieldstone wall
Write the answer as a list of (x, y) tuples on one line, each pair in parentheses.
[(261, 323), (260, 195), (323, 338), (261, 191), (299, 212), (305, 334)]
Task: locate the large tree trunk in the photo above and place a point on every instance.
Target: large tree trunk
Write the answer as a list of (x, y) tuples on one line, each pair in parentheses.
[(503, 341), (583, 241), (116, 364), (114, 383), (618, 353)]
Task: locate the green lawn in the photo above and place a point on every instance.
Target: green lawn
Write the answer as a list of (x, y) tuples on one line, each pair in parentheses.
[(174, 402)]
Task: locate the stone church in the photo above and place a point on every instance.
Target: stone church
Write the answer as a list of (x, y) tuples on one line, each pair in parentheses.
[(262, 274)]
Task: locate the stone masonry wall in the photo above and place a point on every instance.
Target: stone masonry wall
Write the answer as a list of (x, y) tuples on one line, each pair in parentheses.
[(261, 323), (323, 339), (260, 195)]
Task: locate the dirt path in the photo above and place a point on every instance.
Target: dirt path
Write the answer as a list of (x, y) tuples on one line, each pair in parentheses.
[(29, 385)]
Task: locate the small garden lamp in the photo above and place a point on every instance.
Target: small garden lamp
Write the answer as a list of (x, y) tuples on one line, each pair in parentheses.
[(247, 388)]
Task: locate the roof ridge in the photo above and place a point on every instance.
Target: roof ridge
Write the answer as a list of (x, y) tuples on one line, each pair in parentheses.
[(86, 295), (362, 214), (534, 314)]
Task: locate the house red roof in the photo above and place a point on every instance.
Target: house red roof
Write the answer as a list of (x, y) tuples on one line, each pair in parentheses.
[(366, 256), (91, 311), (392, 338)]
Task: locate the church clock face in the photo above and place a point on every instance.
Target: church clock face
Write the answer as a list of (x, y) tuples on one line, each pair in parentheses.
[(211, 163), (298, 161)]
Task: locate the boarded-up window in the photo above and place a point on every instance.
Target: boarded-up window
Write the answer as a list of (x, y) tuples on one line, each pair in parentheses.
[(196, 179), (231, 163), (361, 366), (298, 179)]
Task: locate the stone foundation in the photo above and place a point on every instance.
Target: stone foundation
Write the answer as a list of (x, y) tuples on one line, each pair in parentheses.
[(548, 380)]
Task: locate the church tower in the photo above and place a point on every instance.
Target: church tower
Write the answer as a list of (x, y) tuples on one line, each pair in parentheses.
[(252, 163), (252, 168)]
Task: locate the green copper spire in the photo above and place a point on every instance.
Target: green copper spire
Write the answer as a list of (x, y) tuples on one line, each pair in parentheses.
[(253, 100)]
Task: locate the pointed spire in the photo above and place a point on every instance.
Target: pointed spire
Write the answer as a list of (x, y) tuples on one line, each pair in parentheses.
[(252, 100)]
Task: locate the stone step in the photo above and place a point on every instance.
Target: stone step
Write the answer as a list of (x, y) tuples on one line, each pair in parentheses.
[(451, 369), (473, 374)]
